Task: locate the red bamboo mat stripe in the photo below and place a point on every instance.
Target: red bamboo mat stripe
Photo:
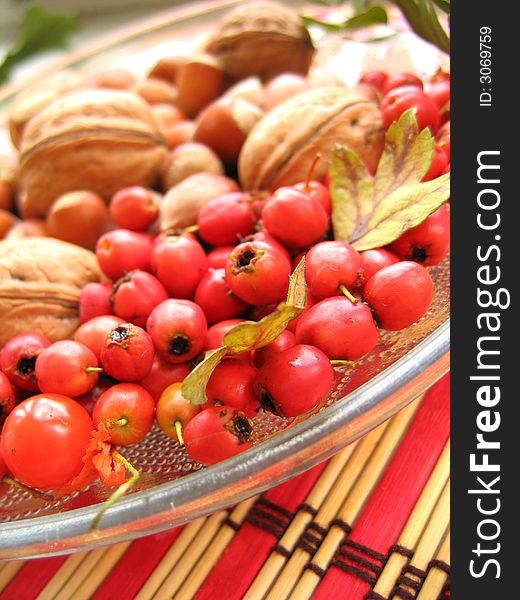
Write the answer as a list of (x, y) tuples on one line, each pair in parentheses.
[(385, 514), (245, 550)]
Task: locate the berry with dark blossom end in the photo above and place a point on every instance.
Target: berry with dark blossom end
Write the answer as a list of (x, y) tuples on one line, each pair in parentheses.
[(178, 329), (429, 242), (294, 381), (18, 359), (127, 353), (258, 273), (217, 433)]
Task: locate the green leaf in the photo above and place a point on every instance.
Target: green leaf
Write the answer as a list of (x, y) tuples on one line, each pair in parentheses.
[(407, 207), (194, 385), (41, 30), (372, 211), (375, 15), (422, 17)]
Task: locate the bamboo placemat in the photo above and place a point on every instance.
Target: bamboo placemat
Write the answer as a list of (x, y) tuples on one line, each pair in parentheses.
[(371, 523)]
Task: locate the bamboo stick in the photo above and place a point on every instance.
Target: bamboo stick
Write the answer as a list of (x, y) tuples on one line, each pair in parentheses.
[(415, 523), (436, 578), (189, 558), (8, 572), (62, 575), (100, 572), (296, 527), (214, 551), (287, 578), (170, 559), (355, 500), (68, 590), (431, 538)]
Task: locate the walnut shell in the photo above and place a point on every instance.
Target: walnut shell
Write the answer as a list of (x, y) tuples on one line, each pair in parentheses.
[(40, 285), (263, 39), (100, 140), (31, 101), (281, 147)]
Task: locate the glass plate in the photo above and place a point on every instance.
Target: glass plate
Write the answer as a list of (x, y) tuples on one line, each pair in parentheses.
[(172, 489)]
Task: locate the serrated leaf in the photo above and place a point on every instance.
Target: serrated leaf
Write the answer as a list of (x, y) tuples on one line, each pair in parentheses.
[(251, 335), (372, 211), (194, 385), (407, 207)]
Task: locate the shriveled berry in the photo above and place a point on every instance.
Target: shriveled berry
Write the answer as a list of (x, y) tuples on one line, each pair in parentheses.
[(294, 381), (399, 295), (340, 328)]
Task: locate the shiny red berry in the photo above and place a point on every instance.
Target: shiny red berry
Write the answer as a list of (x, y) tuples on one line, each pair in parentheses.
[(399, 295), (216, 299), (6, 398), (94, 300), (217, 433), (127, 410), (373, 261), (398, 80), (67, 367), (294, 218), (122, 250), (18, 357), (179, 262), (294, 381), (163, 374), (329, 266), (340, 328), (127, 353), (178, 329), (429, 242), (318, 191), (285, 340), (135, 295), (399, 100), (134, 208), (258, 273), (231, 383), (216, 333), (439, 162), (376, 79), (226, 219), (174, 412), (94, 332), (218, 256)]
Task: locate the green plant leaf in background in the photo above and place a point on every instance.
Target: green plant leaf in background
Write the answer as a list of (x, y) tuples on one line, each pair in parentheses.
[(423, 19), (375, 15), (41, 30), (373, 211)]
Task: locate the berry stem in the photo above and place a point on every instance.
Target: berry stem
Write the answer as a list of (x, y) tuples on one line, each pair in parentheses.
[(311, 170), (121, 490), (93, 370), (342, 288), (337, 362), (191, 229), (119, 423), (178, 431)]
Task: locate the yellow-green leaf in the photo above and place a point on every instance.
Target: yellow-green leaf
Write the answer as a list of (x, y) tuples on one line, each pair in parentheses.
[(407, 207), (251, 335), (372, 211), (194, 385), (297, 294)]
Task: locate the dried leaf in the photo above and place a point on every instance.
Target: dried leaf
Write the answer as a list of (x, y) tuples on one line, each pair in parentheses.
[(297, 293), (372, 211), (194, 385)]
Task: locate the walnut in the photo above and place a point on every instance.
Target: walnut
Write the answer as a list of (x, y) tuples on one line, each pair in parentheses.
[(40, 285), (99, 140), (263, 39), (281, 147)]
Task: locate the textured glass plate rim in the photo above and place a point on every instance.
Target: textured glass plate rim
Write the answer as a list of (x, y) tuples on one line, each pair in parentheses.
[(184, 499), (273, 461)]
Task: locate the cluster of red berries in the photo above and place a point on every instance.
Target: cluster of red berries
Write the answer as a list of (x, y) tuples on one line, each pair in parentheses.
[(173, 296)]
